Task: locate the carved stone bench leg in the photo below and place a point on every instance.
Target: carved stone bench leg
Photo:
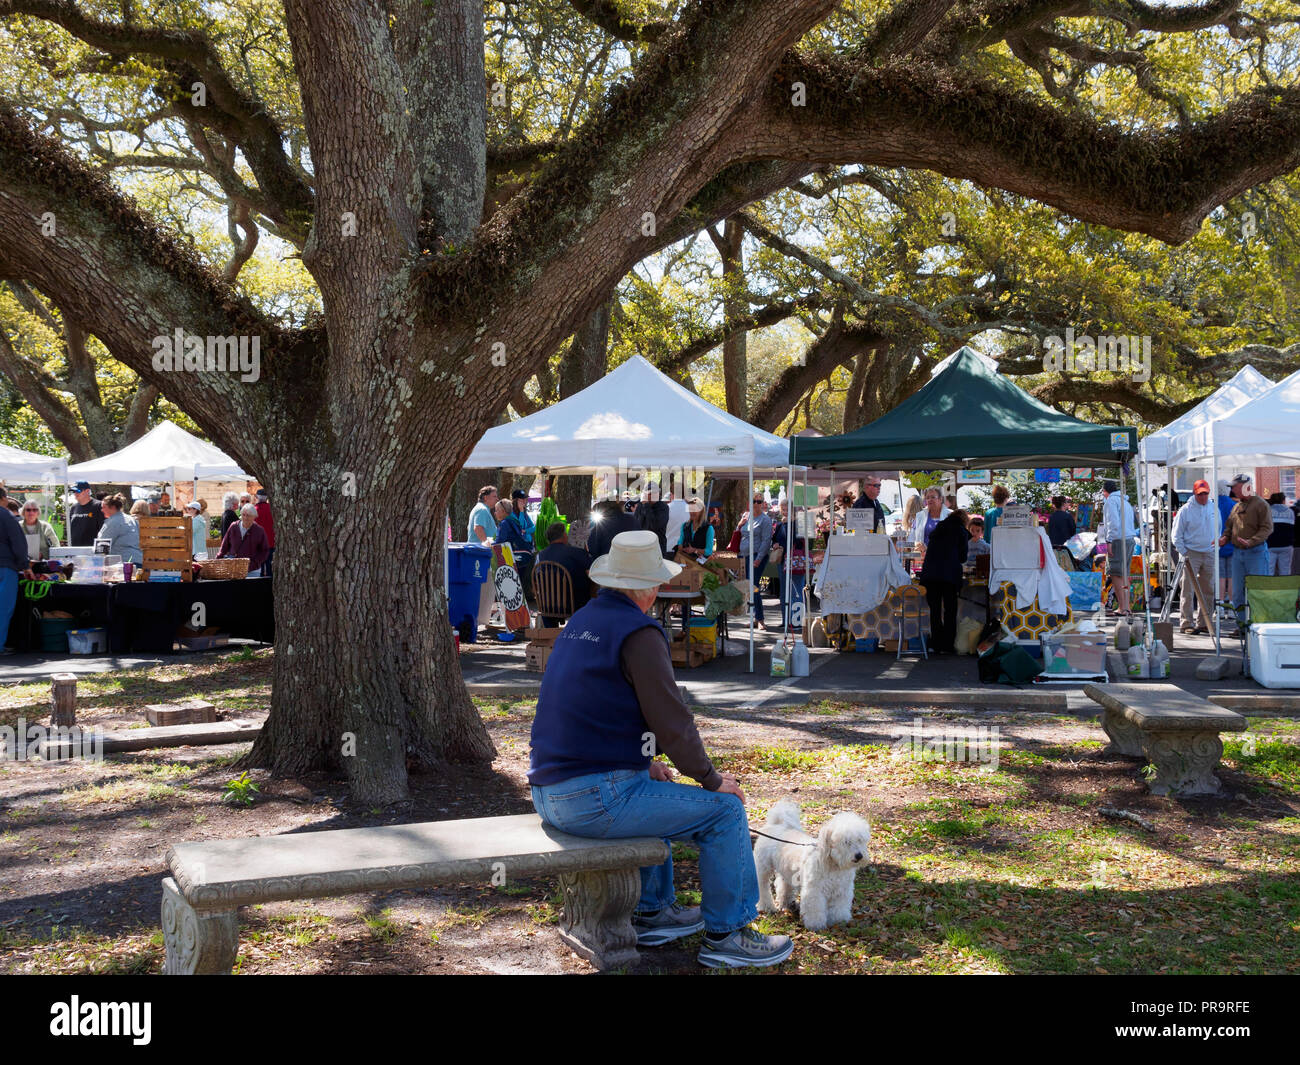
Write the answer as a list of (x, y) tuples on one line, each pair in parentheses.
[(1184, 761), (597, 919), (196, 942), (1125, 737)]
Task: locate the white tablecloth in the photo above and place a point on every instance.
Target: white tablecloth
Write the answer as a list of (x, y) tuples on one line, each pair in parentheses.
[(851, 582)]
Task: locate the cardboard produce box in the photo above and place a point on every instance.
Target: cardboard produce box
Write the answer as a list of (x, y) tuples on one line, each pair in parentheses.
[(691, 578), (536, 655)]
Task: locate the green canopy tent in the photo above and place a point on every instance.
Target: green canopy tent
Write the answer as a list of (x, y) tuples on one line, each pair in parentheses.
[(971, 417), (968, 417)]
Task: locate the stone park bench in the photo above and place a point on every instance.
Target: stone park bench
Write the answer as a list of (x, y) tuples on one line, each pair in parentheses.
[(1174, 731), (211, 880)]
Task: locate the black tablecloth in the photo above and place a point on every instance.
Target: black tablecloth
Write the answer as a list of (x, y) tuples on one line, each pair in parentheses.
[(144, 616)]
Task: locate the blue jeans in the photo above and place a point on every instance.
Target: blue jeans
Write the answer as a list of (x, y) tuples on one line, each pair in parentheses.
[(1279, 561), (760, 564), (620, 803), (8, 599), (1247, 562)]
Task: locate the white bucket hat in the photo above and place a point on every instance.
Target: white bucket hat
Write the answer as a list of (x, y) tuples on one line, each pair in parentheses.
[(634, 561)]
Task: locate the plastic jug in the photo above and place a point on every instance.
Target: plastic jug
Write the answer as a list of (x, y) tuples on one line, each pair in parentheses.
[(1136, 630), (1138, 665), (1123, 637), (1159, 660), (799, 659), (780, 660)]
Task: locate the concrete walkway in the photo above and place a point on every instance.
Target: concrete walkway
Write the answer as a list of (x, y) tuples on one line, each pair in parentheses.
[(492, 668), (880, 679)]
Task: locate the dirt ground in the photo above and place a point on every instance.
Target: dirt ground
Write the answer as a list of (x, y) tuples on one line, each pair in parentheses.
[(1022, 866)]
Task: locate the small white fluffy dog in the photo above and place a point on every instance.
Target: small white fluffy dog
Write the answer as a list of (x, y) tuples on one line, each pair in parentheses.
[(816, 871)]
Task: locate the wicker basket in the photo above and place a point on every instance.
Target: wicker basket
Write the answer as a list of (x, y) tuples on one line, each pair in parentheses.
[(224, 569)]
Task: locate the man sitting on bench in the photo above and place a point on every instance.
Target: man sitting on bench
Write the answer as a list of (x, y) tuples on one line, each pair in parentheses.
[(608, 704)]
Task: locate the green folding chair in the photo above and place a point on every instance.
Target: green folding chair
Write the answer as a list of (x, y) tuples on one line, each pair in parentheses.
[(1269, 601)]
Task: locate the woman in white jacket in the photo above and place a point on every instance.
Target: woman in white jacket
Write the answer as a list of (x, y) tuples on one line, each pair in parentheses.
[(931, 514)]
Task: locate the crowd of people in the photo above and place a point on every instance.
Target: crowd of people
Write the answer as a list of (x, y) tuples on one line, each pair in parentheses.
[(676, 524), (26, 537)]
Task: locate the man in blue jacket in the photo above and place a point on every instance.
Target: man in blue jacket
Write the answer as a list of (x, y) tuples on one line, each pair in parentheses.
[(13, 563), (608, 704)]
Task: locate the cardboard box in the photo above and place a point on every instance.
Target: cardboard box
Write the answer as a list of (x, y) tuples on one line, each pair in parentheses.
[(691, 579), (536, 655), (538, 634)]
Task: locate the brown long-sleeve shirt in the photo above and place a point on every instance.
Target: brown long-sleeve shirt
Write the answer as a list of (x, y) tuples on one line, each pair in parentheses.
[(648, 667), (1252, 520)]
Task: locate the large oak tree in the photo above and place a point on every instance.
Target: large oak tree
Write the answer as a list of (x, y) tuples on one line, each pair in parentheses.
[(449, 270)]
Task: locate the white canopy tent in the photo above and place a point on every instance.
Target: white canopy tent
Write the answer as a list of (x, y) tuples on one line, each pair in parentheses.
[(165, 454), (1261, 432), (1154, 449), (28, 468), (635, 416), (1247, 384)]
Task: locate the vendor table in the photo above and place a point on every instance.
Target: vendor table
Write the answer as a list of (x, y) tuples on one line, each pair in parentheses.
[(844, 630), (664, 602), (144, 615)]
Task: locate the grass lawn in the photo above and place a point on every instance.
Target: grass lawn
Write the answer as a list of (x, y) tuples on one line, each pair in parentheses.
[(1019, 868)]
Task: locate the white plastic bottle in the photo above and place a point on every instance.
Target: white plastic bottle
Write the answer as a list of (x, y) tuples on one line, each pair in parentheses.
[(1123, 637), (799, 659), (1138, 666), (1159, 660)]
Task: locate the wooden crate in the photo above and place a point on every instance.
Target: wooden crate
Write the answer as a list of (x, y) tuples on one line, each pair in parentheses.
[(691, 653), (729, 560), (166, 545)]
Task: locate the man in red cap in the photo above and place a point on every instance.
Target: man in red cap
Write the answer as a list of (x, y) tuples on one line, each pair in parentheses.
[(1196, 538)]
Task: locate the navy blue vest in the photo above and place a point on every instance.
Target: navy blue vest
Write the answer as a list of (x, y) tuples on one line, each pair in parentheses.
[(588, 719)]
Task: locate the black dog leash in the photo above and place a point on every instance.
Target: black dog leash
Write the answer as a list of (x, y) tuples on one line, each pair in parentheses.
[(792, 842)]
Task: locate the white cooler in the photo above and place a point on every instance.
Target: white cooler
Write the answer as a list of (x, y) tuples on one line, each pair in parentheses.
[(1275, 655)]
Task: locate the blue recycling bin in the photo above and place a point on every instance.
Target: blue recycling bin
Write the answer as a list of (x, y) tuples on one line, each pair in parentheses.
[(468, 567)]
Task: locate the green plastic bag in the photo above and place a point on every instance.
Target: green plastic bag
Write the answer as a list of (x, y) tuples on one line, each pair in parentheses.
[(548, 515)]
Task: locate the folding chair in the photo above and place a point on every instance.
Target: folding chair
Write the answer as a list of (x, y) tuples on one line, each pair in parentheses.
[(553, 591), (910, 593), (1269, 601)]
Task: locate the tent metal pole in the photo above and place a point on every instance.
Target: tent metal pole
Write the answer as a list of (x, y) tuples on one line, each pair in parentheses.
[(753, 577), (789, 546), (1146, 550), (1127, 563), (1214, 595)]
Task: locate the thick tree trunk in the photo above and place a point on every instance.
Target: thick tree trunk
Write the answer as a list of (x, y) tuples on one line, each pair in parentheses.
[(366, 675)]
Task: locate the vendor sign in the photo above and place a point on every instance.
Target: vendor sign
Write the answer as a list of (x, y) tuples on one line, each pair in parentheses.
[(510, 589)]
